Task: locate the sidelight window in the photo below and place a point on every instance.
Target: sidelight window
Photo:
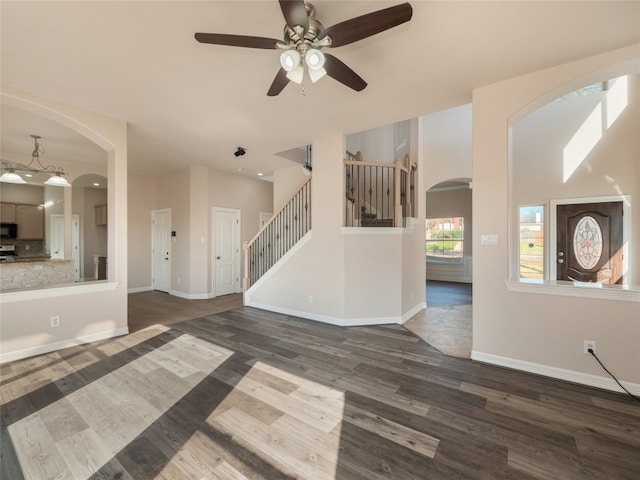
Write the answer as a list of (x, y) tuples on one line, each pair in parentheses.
[(532, 241)]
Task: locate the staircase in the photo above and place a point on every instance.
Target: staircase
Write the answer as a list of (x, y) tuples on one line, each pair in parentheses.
[(379, 194), (278, 235)]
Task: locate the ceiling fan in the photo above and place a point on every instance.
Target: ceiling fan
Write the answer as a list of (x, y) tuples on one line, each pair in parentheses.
[(305, 37)]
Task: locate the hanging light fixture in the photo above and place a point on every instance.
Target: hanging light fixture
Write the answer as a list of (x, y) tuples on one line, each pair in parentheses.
[(34, 166)]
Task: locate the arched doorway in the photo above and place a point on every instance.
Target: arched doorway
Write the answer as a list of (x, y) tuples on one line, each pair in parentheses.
[(446, 322)]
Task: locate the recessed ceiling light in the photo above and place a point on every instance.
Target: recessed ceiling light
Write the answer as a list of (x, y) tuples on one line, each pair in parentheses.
[(241, 169), (28, 175), (96, 184), (260, 174)]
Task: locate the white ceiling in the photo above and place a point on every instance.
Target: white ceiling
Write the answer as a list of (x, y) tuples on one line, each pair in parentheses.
[(189, 103)]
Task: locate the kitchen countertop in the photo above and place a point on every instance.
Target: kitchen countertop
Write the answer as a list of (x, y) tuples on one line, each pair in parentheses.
[(35, 272)]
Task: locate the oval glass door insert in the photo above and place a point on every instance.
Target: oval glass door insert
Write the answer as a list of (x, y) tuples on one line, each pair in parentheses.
[(587, 242)]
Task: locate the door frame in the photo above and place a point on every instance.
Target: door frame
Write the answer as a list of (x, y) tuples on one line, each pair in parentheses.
[(153, 266), (238, 259), (626, 231)]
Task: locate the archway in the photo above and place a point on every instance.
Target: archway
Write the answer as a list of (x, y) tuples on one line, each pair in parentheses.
[(446, 322)]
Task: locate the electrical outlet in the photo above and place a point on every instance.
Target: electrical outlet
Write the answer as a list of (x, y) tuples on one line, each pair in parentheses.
[(589, 344), (55, 321), (310, 299)]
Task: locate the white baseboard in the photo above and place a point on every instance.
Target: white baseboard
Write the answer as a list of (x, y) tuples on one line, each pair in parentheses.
[(341, 322), (191, 296), (606, 383), (148, 288), (418, 308), (50, 347)]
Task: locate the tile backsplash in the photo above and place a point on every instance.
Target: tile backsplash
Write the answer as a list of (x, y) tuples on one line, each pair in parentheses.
[(25, 247)]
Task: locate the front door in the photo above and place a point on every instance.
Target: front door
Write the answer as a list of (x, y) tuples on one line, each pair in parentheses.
[(589, 242), (226, 250), (161, 250)]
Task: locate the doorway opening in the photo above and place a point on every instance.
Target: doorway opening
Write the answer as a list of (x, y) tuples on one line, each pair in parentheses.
[(446, 322)]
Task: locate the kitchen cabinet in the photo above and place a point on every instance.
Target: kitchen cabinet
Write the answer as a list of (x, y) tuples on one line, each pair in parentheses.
[(8, 212), (30, 220), (101, 214)]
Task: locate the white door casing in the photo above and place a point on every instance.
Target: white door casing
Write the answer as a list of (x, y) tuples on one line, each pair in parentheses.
[(75, 244), (161, 250), (226, 250)]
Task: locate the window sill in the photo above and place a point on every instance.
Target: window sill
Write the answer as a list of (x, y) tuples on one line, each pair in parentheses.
[(596, 291)]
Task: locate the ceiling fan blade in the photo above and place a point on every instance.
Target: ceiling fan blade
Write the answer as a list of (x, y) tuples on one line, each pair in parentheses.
[(350, 31), (279, 83), (337, 70), (237, 40), (295, 13)]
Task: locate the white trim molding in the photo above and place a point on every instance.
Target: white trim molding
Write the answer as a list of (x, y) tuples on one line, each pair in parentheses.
[(51, 347), (58, 291), (596, 291), (148, 288), (340, 322), (191, 296), (554, 372)]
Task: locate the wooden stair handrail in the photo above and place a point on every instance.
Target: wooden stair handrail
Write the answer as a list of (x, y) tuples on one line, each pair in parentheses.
[(284, 205)]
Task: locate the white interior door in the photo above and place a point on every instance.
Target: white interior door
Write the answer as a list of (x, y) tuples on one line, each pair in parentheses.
[(226, 250), (75, 245), (56, 240), (161, 250)]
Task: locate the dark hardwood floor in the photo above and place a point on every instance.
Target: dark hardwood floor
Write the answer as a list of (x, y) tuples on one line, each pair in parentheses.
[(257, 395), (448, 293)]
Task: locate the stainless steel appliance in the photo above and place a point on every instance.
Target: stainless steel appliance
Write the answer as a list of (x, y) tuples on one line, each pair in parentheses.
[(8, 230), (7, 253)]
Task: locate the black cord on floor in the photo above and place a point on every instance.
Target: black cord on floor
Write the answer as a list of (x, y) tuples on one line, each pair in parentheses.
[(605, 369)]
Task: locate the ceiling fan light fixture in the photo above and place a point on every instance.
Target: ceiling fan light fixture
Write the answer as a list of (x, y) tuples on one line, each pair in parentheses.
[(290, 60), (296, 74), (11, 177), (316, 75), (314, 59)]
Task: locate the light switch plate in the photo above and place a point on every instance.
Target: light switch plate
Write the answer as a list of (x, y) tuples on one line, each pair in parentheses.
[(489, 239)]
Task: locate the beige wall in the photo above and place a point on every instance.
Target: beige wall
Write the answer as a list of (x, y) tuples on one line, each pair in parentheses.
[(286, 182), (446, 145), (27, 194), (342, 275), (535, 330), (191, 194), (173, 191), (249, 195), (140, 206), (88, 312)]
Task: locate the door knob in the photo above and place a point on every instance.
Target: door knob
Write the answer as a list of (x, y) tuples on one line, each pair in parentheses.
[(561, 254), (217, 258), (561, 260)]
